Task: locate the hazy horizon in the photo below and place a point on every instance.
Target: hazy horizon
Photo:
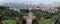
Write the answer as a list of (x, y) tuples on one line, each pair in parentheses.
[(29, 1)]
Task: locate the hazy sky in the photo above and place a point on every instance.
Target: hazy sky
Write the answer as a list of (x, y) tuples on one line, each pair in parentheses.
[(30, 1)]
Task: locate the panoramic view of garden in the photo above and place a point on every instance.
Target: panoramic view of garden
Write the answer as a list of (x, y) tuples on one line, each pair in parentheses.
[(29, 12)]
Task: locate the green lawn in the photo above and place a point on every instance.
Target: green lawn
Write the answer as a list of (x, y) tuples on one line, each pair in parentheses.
[(10, 22), (47, 21)]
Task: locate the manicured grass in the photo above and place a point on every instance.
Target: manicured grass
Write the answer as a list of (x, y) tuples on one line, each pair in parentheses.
[(47, 21), (10, 22)]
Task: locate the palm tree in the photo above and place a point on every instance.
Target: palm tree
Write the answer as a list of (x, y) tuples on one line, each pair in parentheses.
[(18, 14), (38, 14), (2, 12), (45, 14), (58, 15)]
